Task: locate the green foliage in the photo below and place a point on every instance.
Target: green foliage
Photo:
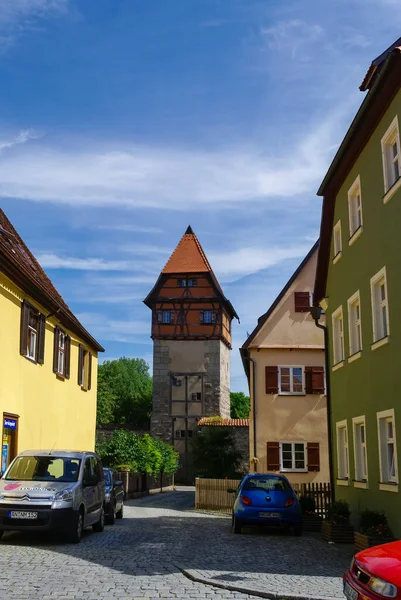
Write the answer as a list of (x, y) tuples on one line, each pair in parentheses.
[(214, 454), (308, 505), (124, 392), (141, 453), (240, 405), (338, 513), (373, 522)]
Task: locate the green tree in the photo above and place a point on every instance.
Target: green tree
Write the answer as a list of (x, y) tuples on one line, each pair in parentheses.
[(125, 392), (240, 405), (214, 454)]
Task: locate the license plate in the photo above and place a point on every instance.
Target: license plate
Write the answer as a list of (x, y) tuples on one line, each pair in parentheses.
[(22, 514), (350, 593), (269, 515)]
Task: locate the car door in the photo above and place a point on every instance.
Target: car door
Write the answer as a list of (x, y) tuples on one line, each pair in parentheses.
[(89, 492)]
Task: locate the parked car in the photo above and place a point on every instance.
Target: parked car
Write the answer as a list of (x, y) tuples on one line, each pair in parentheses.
[(375, 573), (59, 491), (266, 500), (114, 499)]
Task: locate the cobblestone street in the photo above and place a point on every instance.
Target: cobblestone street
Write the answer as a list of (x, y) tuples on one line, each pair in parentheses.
[(144, 556)]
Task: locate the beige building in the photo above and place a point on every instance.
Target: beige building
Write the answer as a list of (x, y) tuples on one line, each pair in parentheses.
[(284, 361)]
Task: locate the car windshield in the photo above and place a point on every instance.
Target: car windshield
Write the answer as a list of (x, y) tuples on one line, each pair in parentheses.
[(267, 484), (44, 468), (107, 477)]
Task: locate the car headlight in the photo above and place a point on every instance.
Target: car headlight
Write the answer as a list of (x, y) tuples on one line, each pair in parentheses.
[(107, 497), (383, 587), (64, 496)]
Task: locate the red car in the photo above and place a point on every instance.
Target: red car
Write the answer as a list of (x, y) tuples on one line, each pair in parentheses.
[(375, 573)]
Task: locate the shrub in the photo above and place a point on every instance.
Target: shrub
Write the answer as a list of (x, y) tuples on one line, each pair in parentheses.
[(308, 505), (339, 513), (373, 522)]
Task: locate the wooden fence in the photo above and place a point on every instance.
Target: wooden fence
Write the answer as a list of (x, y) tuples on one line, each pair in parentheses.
[(211, 494)]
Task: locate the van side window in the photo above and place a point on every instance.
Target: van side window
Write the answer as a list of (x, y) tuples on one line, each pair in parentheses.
[(95, 470), (87, 470)]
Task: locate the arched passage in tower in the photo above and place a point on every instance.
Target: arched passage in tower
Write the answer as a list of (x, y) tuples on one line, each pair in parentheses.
[(191, 332)]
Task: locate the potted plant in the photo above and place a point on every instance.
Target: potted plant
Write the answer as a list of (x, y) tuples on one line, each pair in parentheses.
[(310, 520), (336, 527), (373, 530)]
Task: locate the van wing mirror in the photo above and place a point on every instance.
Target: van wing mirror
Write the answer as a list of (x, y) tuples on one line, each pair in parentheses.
[(118, 483)]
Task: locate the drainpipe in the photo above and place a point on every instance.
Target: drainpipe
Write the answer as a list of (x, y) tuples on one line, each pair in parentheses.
[(254, 411), (316, 314)]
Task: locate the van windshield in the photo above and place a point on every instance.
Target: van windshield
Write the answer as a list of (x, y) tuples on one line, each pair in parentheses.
[(44, 468)]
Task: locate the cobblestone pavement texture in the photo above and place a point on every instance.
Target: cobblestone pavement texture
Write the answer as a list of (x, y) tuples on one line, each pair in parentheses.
[(142, 557)]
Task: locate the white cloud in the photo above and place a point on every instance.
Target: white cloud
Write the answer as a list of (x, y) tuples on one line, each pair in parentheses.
[(129, 228), (23, 137), (293, 35), (52, 261), (167, 178)]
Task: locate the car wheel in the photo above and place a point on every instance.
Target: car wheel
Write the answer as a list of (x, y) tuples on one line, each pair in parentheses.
[(236, 525), (111, 517), (120, 513), (99, 526), (75, 535)]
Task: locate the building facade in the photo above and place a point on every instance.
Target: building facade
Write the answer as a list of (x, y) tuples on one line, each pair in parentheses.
[(358, 283), (48, 361), (191, 332), (285, 364)]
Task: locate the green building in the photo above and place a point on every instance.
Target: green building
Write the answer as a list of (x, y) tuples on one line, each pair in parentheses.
[(358, 284)]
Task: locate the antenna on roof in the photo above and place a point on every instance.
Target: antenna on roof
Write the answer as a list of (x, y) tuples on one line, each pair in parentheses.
[(189, 230)]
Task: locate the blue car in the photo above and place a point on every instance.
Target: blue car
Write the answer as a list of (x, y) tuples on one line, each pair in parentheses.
[(266, 500)]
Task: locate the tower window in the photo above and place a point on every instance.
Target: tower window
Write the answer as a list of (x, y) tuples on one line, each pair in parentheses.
[(196, 396), (165, 316), (187, 282), (207, 316)]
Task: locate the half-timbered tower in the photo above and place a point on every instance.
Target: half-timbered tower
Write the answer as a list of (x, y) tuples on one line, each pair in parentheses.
[(191, 332)]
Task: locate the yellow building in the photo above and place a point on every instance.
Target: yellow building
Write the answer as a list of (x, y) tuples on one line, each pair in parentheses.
[(284, 361), (48, 361)]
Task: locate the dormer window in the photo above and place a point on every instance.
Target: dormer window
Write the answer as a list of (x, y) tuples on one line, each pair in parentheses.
[(187, 282)]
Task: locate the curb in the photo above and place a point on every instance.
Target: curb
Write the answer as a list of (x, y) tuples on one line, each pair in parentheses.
[(194, 576)]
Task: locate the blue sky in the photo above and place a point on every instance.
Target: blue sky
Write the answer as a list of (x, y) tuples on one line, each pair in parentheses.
[(123, 121)]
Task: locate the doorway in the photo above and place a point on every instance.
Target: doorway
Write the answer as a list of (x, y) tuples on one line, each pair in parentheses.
[(9, 449)]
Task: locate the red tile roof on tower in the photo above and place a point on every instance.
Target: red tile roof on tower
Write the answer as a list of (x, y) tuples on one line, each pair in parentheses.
[(188, 257), (19, 264)]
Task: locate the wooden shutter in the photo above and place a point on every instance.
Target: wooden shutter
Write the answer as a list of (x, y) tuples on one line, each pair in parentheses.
[(213, 317), (308, 380), (313, 456), (23, 341), (201, 316), (55, 348), (41, 338), (271, 380), (160, 317), (67, 357), (273, 456), (314, 380), (80, 363), (302, 301), (89, 370), (172, 316)]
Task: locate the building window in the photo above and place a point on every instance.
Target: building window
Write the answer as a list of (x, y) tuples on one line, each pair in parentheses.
[(391, 155), (32, 340), (293, 456), (354, 323), (187, 282), (342, 450), (338, 336), (355, 207), (84, 368), (61, 356), (291, 380), (165, 317), (207, 316), (378, 288), (387, 447), (196, 396), (303, 301), (337, 240), (180, 434), (360, 456)]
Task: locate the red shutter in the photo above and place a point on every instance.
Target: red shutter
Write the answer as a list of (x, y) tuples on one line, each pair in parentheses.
[(55, 348), (271, 380), (89, 371), (302, 301), (41, 338), (308, 380), (318, 380), (80, 363), (273, 456), (23, 341), (313, 456), (67, 357)]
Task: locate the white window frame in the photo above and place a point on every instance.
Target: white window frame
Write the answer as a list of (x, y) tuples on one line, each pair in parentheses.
[(337, 242), (342, 461), (387, 482), (337, 316), (32, 341), (355, 212), (291, 367), (293, 470), (376, 310), (61, 352), (360, 451), (391, 136), (354, 325)]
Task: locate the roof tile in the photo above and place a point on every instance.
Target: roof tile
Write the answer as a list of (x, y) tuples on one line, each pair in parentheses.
[(188, 257), (213, 422)]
